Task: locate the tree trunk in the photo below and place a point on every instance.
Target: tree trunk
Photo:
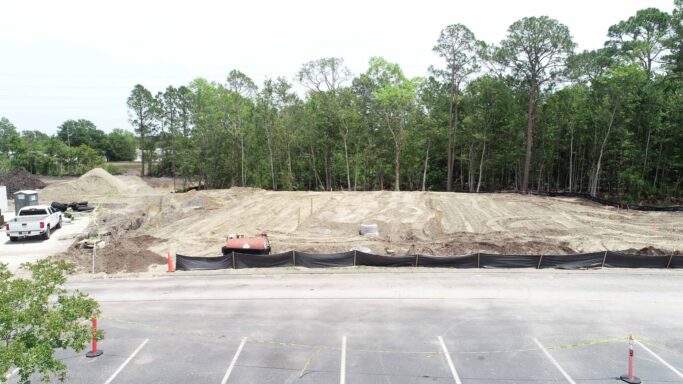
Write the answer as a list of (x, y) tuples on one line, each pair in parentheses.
[(529, 136), (481, 166), (397, 169), (142, 152), (452, 111), (596, 177), (424, 173), (269, 140), (346, 158), (571, 160)]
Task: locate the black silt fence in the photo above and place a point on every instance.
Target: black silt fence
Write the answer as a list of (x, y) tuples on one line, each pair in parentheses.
[(625, 260), (321, 260), (489, 260), (607, 259), (244, 260), (370, 260), (465, 261), (578, 261), (190, 263)]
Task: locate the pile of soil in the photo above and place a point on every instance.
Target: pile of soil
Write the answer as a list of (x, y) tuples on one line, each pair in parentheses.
[(652, 251), (19, 180), (98, 182), (122, 255)]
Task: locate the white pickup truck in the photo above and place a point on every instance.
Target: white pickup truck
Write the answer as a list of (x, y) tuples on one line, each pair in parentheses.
[(36, 220)]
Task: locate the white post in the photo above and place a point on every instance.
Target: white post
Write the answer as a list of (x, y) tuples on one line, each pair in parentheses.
[(94, 253)]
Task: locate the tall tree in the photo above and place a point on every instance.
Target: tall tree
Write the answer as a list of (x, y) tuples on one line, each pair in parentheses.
[(674, 61), (536, 50), (81, 131), (641, 38), (243, 88), (7, 131), (141, 113), (458, 47), (324, 77), (393, 98)]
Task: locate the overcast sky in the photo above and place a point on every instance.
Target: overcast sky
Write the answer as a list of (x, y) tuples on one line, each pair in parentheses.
[(66, 59)]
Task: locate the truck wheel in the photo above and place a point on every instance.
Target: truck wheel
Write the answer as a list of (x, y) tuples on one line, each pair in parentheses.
[(46, 235), (59, 225), (13, 238)]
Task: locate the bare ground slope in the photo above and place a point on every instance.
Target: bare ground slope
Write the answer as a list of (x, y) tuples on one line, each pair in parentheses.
[(196, 223), (409, 222)]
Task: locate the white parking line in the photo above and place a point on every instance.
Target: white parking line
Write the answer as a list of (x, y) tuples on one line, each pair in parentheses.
[(555, 363), (342, 373), (234, 361), (126, 362), (450, 362), (671, 367)]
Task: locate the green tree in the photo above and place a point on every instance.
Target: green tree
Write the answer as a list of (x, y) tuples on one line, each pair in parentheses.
[(536, 50), (120, 145), (642, 38), (141, 115), (243, 87), (323, 78), (37, 316), (674, 61), (393, 98), (459, 48), (81, 131), (7, 131)]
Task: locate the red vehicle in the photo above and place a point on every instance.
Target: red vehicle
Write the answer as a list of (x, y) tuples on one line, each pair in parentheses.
[(256, 245)]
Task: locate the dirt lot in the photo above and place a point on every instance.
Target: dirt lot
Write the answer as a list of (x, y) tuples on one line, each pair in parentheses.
[(196, 223)]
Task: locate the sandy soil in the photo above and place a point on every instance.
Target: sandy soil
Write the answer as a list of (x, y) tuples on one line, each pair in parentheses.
[(196, 223), (410, 222)]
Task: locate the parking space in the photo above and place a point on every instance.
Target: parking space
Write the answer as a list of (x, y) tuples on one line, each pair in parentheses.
[(184, 358), (367, 341)]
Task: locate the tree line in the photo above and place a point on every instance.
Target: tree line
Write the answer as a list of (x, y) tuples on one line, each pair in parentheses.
[(528, 113), (77, 147)]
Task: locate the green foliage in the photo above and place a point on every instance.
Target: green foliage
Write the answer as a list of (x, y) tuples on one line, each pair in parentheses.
[(142, 111), (113, 169), (120, 145), (642, 38), (8, 132), (37, 316), (75, 133)]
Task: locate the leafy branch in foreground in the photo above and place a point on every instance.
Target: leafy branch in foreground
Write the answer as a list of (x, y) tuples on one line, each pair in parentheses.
[(37, 316)]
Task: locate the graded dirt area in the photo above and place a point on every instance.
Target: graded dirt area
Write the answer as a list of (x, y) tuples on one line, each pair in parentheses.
[(136, 218)]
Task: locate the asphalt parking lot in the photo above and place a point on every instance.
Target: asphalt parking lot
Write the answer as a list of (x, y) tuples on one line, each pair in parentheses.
[(379, 326)]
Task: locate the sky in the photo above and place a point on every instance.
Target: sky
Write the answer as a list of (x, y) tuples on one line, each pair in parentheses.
[(67, 59)]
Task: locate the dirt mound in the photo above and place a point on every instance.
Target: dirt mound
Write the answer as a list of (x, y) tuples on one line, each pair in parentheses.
[(123, 255), (99, 182), (652, 251), (18, 180)]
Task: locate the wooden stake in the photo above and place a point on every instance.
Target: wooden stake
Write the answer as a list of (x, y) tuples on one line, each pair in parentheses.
[(603, 260)]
